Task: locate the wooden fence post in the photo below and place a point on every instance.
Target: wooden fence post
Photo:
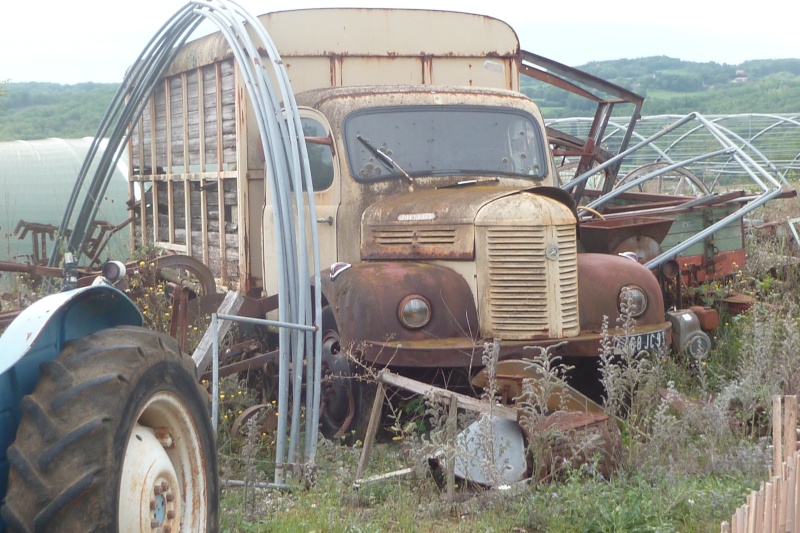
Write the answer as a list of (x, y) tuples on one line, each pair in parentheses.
[(796, 499), (372, 430), (789, 428), (760, 501), (752, 506), (768, 505), (791, 487), (783, 507), (452, 430), (777, 440)]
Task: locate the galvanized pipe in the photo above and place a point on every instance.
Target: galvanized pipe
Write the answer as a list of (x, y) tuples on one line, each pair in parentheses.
[(293, 267), (733, 217), (256, 485), (602, 200), (313, 345), (312, 349), (619, 157), (287, 162), (719, 120), (265, 103), (268, 125), (291, 136), (264, 322), (215, 373), (215, 318), (742, 157), (758, 174), (118, 115), (755, 150)]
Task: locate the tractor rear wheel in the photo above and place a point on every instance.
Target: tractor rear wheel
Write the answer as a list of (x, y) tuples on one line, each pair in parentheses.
[(115, 437)]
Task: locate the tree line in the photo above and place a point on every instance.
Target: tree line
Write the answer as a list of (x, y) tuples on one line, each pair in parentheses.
[(31, 111), (673, 86)]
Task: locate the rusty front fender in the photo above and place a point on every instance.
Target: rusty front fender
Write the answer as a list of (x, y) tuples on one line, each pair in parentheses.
[(601, 277), (366, 298)]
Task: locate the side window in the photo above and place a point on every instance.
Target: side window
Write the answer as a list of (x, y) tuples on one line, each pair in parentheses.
[(526, 148), (319, 155)]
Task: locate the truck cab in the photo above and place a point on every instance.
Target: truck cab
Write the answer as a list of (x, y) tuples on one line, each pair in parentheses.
[(434, 186), (441, 200)]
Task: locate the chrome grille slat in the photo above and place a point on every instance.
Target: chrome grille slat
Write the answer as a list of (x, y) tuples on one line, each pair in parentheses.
[(517, 289)]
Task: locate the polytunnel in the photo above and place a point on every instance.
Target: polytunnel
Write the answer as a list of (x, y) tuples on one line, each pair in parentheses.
[(37, 179), (772, 139)]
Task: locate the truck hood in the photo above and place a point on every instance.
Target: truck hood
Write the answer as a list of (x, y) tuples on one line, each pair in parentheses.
[(434, 223)]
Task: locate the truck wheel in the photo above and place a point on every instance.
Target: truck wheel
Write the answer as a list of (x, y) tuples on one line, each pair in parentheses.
[(115, 437), (346, 396)]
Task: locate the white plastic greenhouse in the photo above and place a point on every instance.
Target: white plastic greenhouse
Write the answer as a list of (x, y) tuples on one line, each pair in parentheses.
[(36, 180)]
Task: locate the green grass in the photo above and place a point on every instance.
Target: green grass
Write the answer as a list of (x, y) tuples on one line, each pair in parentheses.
[(629, 502)]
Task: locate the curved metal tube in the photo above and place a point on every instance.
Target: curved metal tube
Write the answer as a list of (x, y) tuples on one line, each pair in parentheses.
[(288, 176), (771, 185)]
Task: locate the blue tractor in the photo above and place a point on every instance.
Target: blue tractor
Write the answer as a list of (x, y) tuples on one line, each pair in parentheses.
[(103, 425)]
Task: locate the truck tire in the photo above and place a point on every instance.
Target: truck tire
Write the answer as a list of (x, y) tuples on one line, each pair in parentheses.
[(116, 436), (347, 395)]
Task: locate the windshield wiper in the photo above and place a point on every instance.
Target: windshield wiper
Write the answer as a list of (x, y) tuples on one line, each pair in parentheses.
[(386, 160), (464, 183)]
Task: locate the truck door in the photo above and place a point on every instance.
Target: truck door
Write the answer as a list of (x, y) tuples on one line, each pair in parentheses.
[(325, 181)]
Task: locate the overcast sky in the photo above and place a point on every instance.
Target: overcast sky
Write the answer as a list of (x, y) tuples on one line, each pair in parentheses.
[(96, 40)]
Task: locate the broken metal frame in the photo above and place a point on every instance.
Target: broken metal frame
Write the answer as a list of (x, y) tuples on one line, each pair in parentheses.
[(574, 80), (793, 222), (771, 185), (744, 143)]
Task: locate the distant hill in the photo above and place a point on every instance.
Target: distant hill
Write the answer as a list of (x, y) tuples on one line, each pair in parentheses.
[(671, 86), (31, 111)]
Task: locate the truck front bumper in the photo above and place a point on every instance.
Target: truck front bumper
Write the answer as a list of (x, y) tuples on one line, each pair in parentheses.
[(464, 352)]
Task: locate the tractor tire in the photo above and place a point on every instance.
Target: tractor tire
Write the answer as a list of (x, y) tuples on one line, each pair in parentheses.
[(116, 437), (347, 396)]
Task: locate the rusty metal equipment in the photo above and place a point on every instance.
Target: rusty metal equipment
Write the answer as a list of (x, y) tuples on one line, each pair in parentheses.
[(504, 445)]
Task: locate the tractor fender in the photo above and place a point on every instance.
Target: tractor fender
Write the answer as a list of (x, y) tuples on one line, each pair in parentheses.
[(50, 322), (366, 298), (38, 335)]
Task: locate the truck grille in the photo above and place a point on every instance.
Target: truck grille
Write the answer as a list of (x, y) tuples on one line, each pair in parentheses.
[(527, 295), (419, 236)]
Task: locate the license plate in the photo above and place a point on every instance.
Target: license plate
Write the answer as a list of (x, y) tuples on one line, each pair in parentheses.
[(655, 341)]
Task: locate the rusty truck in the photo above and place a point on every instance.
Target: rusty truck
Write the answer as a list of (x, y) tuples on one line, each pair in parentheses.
[(435, 191)]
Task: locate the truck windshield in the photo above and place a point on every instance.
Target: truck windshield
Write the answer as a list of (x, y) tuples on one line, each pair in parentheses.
[(444, 141)]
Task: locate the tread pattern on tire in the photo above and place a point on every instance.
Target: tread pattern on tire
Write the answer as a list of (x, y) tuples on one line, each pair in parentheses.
[(67, 447)]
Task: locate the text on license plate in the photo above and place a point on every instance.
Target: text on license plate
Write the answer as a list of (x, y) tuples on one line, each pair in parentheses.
[(654, 341)]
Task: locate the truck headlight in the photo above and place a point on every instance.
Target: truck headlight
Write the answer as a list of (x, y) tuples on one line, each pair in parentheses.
[(414, 311), (635, 298)]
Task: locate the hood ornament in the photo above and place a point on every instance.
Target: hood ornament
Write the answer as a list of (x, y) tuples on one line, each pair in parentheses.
[(338, 268), (551, 252)]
